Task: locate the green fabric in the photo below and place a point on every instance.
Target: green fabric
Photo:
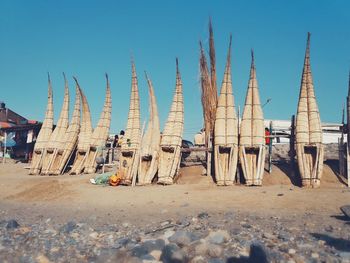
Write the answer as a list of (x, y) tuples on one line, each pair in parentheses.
[(103, 178)]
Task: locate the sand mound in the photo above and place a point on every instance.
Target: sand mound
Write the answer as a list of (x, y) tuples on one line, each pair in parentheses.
[(43, 191), (193, 175)]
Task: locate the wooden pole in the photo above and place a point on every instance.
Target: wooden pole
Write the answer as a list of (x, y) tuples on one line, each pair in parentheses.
[(341, 147), (238, 171), (3, 158), (292, 146), (270, 149)]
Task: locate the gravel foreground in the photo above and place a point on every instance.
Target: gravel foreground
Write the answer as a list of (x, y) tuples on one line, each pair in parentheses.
[(204, 237)]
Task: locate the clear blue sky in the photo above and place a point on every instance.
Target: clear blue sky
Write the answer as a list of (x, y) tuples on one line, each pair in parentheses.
[(88, 38)]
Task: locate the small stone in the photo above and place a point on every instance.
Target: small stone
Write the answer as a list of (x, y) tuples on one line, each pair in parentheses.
[(314, 255), (69, 227), (156, 244), (156, 254), (42, 259), (280, 194), (346, 210), (329, 228), (93, 235), (268, 236), (169, 253), (125, 225), (203, 215), (198, 259), (214, 251), (321, 242), (182, 238), (168, 234), (11, 224), (165, 223), (164, 211), (291, 251), (218, 237)]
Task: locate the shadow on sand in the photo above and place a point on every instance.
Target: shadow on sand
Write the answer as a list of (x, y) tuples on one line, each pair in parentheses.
[(340, 244), (334, 165), (291, 170)]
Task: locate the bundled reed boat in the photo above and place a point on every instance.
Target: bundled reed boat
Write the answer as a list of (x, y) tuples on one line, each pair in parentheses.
[(71, 138), (170, 144), (226, 131), (44, 134), (150, 142), (84, 136), (252, 149), (100, 134), (130, 147), (57, 138), (308, 134)]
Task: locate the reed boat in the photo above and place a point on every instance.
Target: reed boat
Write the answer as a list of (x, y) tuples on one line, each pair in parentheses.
[(57, 138), (171, 140), (308, 134), (44, 134), (100, 134), (130, 147), (226, 131), (84, 136), (150, 142), (252, 148), (71, 137)]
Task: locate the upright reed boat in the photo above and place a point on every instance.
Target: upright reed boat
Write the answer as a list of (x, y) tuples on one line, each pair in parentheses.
[(226, 131), (100, 134), (70, 140), (57, 138), (130, 148), (44, 134), (308, 137), (171, 140), (84, 136), (252, 149), (150, 142)]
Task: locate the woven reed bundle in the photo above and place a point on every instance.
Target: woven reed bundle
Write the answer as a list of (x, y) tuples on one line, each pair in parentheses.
[(132, 137), (172, 133), (226, 117), (252, 131), (44, 134), (170, 153), (252, 149), (130, 148), (57, 137), (226, 130), (308, 130), (84, 136), (150, 141), (308, 123), (71, 137), (100, 134), (86, 129)]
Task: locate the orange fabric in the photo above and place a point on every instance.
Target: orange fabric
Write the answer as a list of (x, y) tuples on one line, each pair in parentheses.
[(114, 180)]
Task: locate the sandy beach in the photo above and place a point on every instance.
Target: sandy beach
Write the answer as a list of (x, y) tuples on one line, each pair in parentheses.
[(42, 200)]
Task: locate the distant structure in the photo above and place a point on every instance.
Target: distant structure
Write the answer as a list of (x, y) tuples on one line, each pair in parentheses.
[(17, 134)]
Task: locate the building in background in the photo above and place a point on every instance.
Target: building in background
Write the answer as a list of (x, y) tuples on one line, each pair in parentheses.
[(17, 134)]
